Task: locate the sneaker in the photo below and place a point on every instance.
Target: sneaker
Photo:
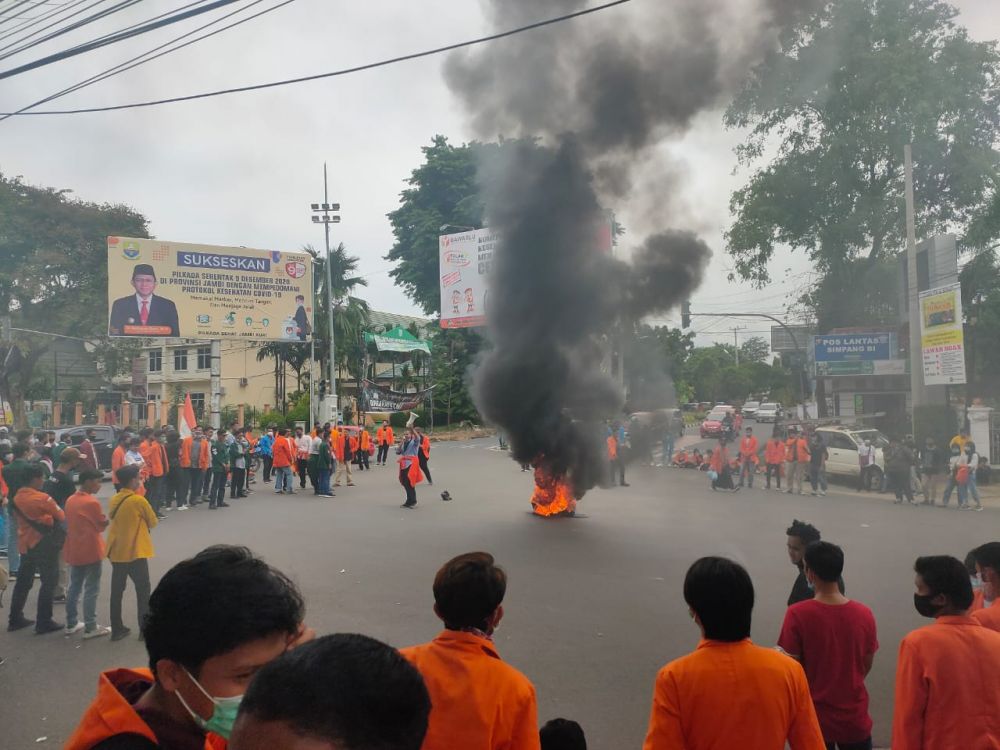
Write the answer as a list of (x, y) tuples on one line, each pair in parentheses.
[(822, 494), (98, 632), (183, 507), (123, 633), (75, 629), (979, 507), (59, 599), (48, 627), (161, 517), (19, 624)]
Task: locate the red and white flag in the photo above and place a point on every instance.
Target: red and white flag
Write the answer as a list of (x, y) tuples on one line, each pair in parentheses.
[(187, 423)]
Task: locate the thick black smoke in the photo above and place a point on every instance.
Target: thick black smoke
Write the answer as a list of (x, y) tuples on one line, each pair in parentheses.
[(600, 94)]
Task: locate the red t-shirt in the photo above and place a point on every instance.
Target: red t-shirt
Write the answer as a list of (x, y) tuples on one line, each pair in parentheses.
[(832, 642)]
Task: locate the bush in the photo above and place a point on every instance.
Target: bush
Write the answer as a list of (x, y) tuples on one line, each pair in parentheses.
[(267, 418), (399, 418)]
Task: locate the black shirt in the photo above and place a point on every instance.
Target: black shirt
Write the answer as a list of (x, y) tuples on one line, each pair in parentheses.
[(801, 591), (59, 486)]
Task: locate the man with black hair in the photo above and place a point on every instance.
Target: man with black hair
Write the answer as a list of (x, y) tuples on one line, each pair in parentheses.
[(40, 537), (987, 558), (834, 639), (946, 673), (219, 452), (339, 692), (214, 620), (562, 734), (729, 692), (15, 474), (84, 553), (480, 703), (800, 534), (129, 547)]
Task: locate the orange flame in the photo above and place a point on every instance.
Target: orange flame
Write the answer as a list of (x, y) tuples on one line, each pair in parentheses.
[(553, 494)]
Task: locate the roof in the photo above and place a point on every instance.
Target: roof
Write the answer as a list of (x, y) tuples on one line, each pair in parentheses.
[(386, 320)]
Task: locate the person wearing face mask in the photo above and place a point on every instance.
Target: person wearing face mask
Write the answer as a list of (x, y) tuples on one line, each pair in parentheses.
[(970, 462), (866, 460), (987, 558), (951, 482), (265, 447), (946, 673), (799, 535), (214, 620), (479, 702)]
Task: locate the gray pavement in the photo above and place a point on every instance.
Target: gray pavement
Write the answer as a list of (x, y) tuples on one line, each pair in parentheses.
[(594, 604)]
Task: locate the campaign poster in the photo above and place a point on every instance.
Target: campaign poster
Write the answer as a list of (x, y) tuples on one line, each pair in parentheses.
[(942, 341), (172, 289), (465, 262)]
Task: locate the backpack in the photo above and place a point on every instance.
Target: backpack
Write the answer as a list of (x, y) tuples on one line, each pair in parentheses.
[(962, 474)]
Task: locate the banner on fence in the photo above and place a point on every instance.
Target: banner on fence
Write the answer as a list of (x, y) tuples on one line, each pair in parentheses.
[(377, 398)]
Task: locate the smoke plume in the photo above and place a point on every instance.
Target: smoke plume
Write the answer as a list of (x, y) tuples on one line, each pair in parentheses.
[(589, 102)]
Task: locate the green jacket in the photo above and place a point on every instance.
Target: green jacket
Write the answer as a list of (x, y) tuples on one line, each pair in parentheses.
[(220, 457), (323, 460)]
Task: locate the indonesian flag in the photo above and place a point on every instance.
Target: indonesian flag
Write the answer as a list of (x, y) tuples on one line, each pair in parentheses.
[(187, 423)]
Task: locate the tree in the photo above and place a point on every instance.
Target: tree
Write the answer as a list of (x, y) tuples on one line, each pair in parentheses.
[(754, 349), (852, 84), (54, 273)]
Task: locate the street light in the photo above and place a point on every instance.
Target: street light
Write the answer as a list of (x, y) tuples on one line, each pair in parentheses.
[(322, 215)]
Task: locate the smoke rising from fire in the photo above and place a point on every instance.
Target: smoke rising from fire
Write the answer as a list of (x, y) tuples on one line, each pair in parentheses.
[(591, 101)]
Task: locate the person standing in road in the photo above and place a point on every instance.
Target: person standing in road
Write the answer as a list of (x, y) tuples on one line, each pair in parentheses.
[(303, 443), (238, 464), (970, 460), (951, 478), (946, 673), (897, 467), (798, 536), (40, 537), (774, 456), (425, 453), (342, 450), (748, 457), (817, 465), (987, 560), (129, 548), (409, 467), (385, 440), (152, 457), (84, 553), (59, 486), (835, 640), (797, 455), (195, 459), (175, 487), (283, 458), (929, 462), (220, 467), (323, 464), (264, 447), (364, 449), (88, 453), (866, 463)]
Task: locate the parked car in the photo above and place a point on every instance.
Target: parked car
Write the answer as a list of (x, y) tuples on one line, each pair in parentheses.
[(750, 409), (104, 442), (704, 405), (769, 411), (842, 444), (692, 406), (711, 426)]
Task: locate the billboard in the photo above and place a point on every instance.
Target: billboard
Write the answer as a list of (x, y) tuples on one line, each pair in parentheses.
[(158, 288), (863, 367), (848, 347), (942, 342), (377, 398), (465, 259)]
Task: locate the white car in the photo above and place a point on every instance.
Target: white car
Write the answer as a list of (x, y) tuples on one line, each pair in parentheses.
[(750, 409), (769, 412), (842, 445)]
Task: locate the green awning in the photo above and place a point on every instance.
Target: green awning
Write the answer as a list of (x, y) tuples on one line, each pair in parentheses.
[(397, 339)]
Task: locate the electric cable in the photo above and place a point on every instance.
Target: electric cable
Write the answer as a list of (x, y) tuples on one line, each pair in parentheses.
[(331, 74), (57, 11)]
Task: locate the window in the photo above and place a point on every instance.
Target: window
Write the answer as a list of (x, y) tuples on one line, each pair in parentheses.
[(180, 359), (156, 361), (198, 404), (204, 360)]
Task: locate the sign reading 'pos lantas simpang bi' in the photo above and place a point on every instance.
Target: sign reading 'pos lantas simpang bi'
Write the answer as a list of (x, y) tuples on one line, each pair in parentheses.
[(158, 288)]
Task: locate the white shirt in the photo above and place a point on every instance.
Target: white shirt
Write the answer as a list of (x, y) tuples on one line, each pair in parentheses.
[(303, 444), (314, 445)]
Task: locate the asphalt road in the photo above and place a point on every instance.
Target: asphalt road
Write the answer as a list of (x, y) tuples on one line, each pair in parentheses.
[(594, 604)]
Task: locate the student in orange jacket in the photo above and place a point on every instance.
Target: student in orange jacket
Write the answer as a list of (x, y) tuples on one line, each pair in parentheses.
[(774, 456), (283, 453), (195, 460), (988, 567), (425, 453), (748, 457), (946, 673), (118, 458), (730, 693), (385, 439), (213, 621), (477, 701), (154, 455), (797, 460)]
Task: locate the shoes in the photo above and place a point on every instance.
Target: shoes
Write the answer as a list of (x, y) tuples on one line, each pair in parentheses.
[(211, 507), (350, 484), (898, 502), (979, 507), (822, 493), (323, 494), (48, 627), (19, 624), (123, 633), (290, 492), (75, 629), (224, 505), (408, 507), (183, 507), (99, 632), (242, 494), (59, 599), (626, 484), (161, 516)]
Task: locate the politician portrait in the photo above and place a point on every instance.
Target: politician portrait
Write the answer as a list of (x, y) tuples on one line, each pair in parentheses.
[(143, 313)]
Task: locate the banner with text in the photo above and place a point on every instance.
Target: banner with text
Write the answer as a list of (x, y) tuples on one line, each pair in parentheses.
[(942, 342), (376, 398), (465, 260), (160, 288)]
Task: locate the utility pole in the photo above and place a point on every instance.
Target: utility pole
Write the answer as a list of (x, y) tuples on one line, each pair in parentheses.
[(918, 392), (322, 214), (736, 341)]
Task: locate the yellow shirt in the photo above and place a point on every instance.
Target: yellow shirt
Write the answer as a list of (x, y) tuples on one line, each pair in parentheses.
[(960, 441), (131, 519)]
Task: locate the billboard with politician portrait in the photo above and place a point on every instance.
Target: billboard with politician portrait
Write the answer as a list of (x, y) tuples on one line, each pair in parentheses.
[(158, 288)]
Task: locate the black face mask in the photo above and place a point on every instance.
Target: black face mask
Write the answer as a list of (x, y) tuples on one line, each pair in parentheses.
[(923, 605)]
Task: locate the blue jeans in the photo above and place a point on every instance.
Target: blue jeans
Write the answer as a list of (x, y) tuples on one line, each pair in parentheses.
[(13, 553), (972, 490), (950, 485), (87, 578), (668, 449), (283, 478), (323, 481)]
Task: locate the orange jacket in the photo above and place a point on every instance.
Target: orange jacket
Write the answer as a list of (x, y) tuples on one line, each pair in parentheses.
[(111, 715), (612, 447), (152, 453), (41, 509), (989, 617), (185, 453), (479, 702), (748, 448), (797, 449), (353, 442), (720, 457), (379, 433), (411, 465), (366, 441), (387, 436), (283, 452), (337, 441), (731, 695), (117, 460), (425, 446), (943, 694), (774, 451)]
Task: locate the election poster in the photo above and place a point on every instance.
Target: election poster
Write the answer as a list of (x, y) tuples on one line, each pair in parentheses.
[(465, 262), (942, 341), (158, 288)]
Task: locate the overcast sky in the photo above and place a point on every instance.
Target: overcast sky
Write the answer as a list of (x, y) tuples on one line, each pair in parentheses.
[(243, 169)]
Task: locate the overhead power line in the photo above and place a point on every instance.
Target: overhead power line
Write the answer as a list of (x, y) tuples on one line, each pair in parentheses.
[(68, 27), (148, 56), (113, 38), (59, 10), (335, 73)]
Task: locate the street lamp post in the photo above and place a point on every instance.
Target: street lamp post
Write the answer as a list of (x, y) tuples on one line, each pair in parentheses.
[(323, 214)]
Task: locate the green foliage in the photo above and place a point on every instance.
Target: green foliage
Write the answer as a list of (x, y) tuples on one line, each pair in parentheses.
[(54, 271), (398, 419), (455, 352), (754, 349), (299, 411), (714, 376), (980, 279), (267, 418), (856, 81)]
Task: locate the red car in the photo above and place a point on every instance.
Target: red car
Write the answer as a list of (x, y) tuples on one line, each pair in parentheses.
[(712, 424)]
